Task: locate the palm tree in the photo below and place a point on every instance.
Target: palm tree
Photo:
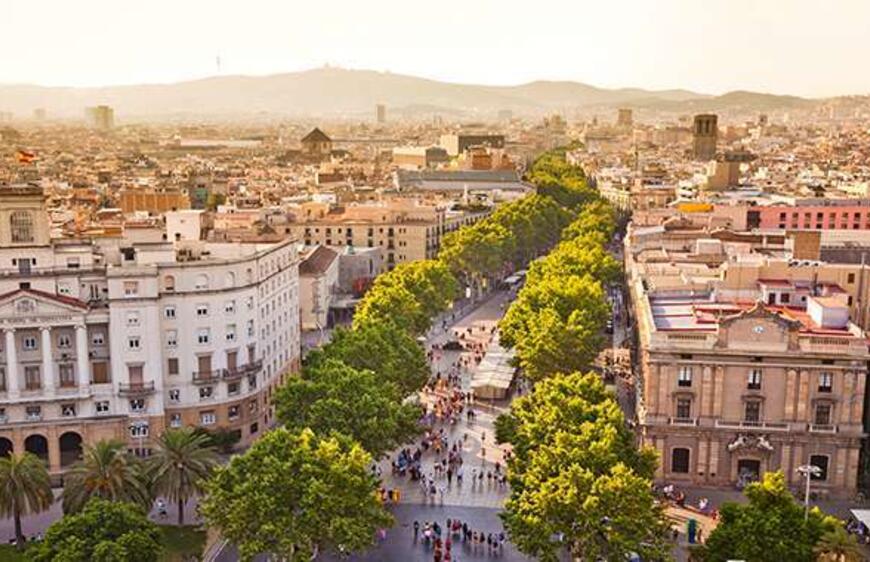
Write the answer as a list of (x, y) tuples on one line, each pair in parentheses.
[(181, 463), (838, 546), (25, 487), (107, 471)]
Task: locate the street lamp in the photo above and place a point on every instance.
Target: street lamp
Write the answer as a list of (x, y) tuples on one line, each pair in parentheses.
[(808, 470)]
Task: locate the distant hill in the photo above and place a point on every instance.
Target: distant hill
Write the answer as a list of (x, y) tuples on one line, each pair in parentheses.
[(336, 92)]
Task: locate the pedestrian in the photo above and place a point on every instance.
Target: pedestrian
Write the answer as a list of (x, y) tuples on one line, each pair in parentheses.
[(416, 528), (450, 475)]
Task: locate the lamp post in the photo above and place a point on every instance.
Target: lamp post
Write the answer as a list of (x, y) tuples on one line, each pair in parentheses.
[(808, 470)]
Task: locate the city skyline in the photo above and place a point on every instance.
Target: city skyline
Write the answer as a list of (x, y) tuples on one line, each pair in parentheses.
[(711, 49)]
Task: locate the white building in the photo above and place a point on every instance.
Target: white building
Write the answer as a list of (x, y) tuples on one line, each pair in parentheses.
[(102, 339)]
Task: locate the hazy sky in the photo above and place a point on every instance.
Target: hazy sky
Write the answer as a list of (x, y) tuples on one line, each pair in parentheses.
[(805, 47)]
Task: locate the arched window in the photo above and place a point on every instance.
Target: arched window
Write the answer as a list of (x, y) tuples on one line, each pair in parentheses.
[(202, 281), (21, 223), (680, 460), (169, 283), (231, 279)]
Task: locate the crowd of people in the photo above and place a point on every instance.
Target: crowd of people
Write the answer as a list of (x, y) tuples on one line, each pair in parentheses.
[(442, 540)]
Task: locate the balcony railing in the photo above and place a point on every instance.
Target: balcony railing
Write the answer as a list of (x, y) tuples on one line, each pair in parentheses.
[(747, 424), (136, 388), (243, 370), (822, 428), (683, 421), (205, 377)]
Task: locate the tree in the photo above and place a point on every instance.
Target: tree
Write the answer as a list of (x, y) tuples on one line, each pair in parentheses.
[(25, 487), (294, 494), (837, 545), (576, 474), (335, 397), (106, 471), (181, 463), (596, 217), (583, 255), (396, 304), (382, 347), (477, 251), (429, 281), (769, 528), (103, 531)]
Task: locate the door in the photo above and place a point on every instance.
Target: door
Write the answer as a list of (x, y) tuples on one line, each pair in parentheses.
[(204, 364), (232, 361), (748, 470)]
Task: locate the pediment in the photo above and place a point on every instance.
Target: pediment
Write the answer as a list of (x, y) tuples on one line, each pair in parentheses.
[(35, 304)]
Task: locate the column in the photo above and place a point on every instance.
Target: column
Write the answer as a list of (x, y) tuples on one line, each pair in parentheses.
[(83, 364), (12, 382), (848, 394), (706, 392), (47, 362), (803, 397), (790, 394)]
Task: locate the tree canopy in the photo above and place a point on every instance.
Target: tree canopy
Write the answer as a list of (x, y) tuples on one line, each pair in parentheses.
[(103, 531), (336, 397), (25, 488), (293, 494), (770, 527), (106, 471)]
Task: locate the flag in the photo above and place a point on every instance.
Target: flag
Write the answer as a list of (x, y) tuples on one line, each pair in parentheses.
[(26, 157)]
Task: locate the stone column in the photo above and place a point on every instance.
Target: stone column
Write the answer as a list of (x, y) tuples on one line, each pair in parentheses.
[(12, 382), (47, 362), (83, 364)]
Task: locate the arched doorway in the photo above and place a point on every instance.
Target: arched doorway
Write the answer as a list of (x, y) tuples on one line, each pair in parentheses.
[(38, 445), (5, 447), (70, 448)]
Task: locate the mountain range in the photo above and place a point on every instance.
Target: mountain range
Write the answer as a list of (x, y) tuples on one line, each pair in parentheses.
[(341, 92)]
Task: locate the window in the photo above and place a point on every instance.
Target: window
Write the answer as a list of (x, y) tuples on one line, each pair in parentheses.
[(131, 288), (66, 375), (172, 365), (29, 343), (169, 283), (207, 418), (203, 336), (132, 318), (137, 405), (201, 282), (253, 405), (68, 410), (250, 303), (230, 307), (233, 412), (826, 382), (684, 376), (64, 341), (33, 413), (64, 289), (231, 332), (174, 395), (202, 310), (175, 420), (684, 408), (753, 379), (784, 298), (232, 388), (851, 278), (206, 392), (21, 225), (254, 428), (250, 328), (752, 411), (102, 406), (252, 382), (133, 343), (820, 461), (822, 414), (139, 429), (169, 312), (32, 378), (171, 338), (98, 339), (680, 460)]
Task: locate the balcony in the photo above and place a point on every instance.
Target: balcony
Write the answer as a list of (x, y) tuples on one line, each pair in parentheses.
[(243, 370), (206, 377), (136, 388), (689, 422), (750, 425), (822, 428)]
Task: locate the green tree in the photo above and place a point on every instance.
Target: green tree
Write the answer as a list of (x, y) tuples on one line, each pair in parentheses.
[(382, 347), (335, 397), (584, 255), (25, 488), (596, 217), (837, 545), (396, 304), (106, 471), (181, 463), (429, 281), (103, 531), (477, 251), (769, 528), (294, 494), (576, 474)]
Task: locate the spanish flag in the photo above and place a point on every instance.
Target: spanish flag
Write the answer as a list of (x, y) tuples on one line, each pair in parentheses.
[(26, 157)]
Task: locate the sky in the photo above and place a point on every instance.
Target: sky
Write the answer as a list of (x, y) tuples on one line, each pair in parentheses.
[(811, 48)]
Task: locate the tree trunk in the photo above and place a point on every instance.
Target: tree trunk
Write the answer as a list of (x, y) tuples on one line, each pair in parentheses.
[(19, 536), (180, 512)]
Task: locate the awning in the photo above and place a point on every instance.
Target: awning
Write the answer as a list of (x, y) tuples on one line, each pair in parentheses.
[(862, 515)]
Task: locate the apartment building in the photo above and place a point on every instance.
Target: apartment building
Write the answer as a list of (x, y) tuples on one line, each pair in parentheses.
[(405, 229), (108, 339), (738, 374)]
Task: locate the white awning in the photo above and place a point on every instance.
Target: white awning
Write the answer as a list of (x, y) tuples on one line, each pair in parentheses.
[(862, 515)]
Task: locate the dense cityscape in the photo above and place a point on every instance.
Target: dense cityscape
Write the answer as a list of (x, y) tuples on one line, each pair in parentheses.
[(340, 314)]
